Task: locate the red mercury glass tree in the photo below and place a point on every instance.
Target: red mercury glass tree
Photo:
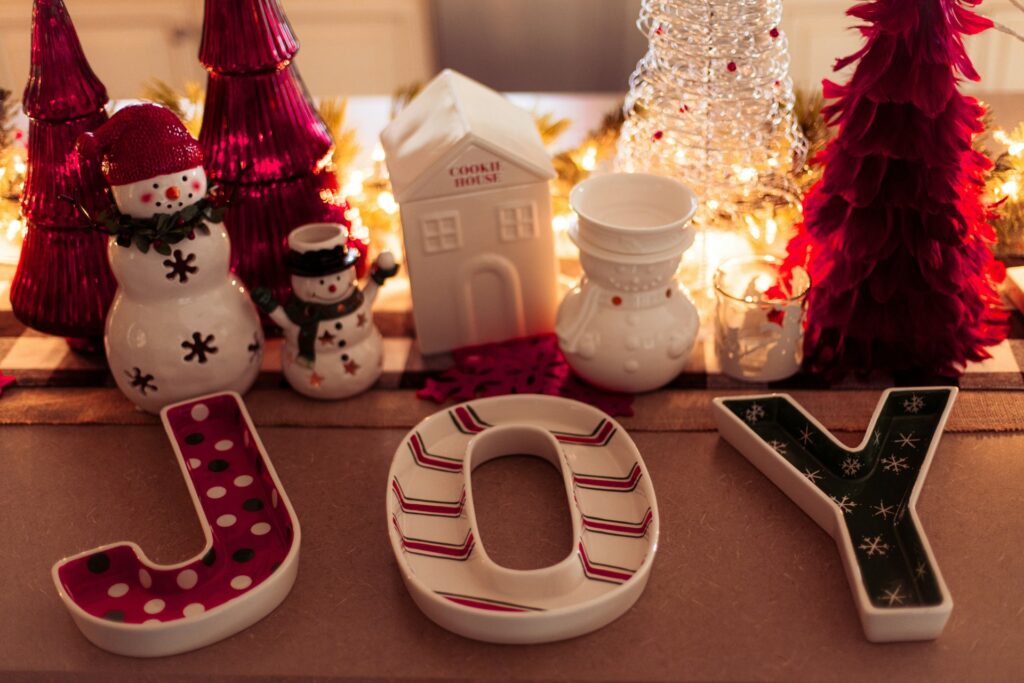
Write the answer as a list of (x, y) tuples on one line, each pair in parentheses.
[(895, 235), (63, 284), (263, 140)]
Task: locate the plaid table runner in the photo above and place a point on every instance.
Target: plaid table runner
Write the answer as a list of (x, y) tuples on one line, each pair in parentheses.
[(36, 359)]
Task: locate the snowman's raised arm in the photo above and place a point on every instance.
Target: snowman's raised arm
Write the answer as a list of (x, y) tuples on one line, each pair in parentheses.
[(266, 302), (382, 269)]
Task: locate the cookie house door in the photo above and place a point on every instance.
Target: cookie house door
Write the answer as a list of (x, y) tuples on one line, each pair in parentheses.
[(492, 306)]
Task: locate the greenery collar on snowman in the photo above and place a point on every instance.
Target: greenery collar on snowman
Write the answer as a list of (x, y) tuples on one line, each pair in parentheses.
[(163, 229)]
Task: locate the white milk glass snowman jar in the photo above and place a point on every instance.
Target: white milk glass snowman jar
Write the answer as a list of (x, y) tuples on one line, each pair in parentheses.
[(181, 324), (332, 348), (629, 326)]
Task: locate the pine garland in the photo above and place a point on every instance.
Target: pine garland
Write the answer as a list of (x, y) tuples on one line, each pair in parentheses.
[(162, 230)]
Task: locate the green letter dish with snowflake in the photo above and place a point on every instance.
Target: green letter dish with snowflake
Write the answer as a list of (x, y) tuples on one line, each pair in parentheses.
[(861, 496)]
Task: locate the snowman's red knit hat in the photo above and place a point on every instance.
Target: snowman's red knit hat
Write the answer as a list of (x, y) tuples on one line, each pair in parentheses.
[(139, 142)]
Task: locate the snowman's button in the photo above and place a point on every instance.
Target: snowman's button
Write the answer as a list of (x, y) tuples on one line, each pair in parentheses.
[(632, 365), (344, 356), (632, 342), (341, 344)]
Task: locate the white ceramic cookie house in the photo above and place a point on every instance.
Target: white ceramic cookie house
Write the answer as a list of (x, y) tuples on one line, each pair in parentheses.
[(471, 175)]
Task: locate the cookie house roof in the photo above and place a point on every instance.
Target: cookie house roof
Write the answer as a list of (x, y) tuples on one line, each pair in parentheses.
[(450, 113)]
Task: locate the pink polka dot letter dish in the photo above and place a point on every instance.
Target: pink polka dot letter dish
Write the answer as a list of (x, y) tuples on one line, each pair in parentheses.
[(126, 604)]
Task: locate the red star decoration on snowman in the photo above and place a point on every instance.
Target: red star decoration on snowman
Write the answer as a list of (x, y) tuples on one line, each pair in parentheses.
[(326, 338), (315, 379), (351, 367), (361, 319)]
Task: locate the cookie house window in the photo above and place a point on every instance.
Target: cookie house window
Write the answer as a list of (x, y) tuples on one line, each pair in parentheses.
[(517, 222), (441, 233)]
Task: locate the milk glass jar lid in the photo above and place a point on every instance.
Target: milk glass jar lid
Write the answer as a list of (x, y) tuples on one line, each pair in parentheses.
[(633, 214)]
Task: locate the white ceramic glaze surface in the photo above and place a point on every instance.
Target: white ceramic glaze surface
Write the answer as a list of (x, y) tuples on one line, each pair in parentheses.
[(182, 324), (629, 326), (434, 535)]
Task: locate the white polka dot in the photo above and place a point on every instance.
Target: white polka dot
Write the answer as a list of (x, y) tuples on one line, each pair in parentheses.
[(226, 520), (243, 480), (223, 445), (246, 438), (193, 610), (118, 590), (194, 463), (145, 579), (200, 412), (187, 579), (240, 583), (260, 528), (152, 621), (273, 498), (154, 606), (216, 492)]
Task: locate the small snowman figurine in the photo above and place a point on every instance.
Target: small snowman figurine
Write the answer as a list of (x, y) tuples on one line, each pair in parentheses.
[(629, 326), (332, 348), (181, 324)]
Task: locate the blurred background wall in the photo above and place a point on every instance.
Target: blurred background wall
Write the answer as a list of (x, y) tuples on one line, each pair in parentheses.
[(352, 47)]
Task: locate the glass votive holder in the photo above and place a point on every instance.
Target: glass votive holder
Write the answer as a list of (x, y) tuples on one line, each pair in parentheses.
[(759, 318)]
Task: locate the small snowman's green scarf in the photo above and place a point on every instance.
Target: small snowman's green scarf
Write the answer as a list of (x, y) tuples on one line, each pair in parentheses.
[(308, 316)]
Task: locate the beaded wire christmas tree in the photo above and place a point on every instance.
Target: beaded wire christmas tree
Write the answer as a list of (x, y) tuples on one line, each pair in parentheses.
[(896, 237), (711, 103), (63, 284), (263, 140)]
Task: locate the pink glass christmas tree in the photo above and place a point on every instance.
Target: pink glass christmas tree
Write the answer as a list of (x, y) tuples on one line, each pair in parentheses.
[(63, 284), (263, 140)]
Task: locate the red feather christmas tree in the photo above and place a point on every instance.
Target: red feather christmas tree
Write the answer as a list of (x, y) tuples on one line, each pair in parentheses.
[(63, 284), (895, 235), (263, 140)]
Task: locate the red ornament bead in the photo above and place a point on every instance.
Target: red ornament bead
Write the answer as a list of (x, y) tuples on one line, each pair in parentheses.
[(774, 33), (617, 300), (731, 66), (658, 134)]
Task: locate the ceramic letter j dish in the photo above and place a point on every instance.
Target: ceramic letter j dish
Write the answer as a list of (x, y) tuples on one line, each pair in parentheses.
[(125, 603)]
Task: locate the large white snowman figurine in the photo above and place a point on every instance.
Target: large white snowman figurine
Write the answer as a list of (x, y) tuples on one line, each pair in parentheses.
[(629, 326), (181, 324), (332, 348)]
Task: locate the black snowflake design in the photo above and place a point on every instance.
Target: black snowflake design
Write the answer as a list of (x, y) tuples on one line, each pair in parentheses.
[(181, 267), (199, 347), (142, 382), (254, 347)]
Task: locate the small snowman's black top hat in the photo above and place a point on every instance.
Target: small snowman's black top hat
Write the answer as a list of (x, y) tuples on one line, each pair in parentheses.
[(319, 249)]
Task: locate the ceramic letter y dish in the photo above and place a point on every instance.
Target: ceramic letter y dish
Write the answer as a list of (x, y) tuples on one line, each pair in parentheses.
[(434, 535), (124, 603), (864, 497)]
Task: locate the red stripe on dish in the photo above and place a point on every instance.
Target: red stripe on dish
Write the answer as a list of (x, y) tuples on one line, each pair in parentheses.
[(422, 456), (599, 438), (467, 420), (468, 602), (609, 483), (617, 575)]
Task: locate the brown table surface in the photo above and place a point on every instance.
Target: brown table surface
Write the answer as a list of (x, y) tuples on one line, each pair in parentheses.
[(745, 587)]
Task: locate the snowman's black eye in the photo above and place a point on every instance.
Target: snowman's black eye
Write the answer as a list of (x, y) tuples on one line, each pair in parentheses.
[(338, 278), (156, 186), (321, 282), (184, 177), (158, 203)]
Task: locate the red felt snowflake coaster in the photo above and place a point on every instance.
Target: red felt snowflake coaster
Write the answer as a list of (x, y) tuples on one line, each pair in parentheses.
[(534, 365), (5, 381)]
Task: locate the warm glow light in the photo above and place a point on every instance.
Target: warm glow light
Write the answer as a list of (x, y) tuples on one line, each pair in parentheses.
[(386, 201), (745, 174), (1011, 188), (713, 204), (753, 227), (353, 184), (378, 153), (589, 160), (19, 165), (561, 222), (771, 230), (1014, 147)]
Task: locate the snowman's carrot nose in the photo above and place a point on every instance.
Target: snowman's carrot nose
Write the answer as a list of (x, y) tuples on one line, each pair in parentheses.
[(173, 192)]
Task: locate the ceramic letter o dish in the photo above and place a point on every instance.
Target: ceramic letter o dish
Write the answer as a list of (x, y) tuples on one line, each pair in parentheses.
[(433, 530), (125, 603)]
